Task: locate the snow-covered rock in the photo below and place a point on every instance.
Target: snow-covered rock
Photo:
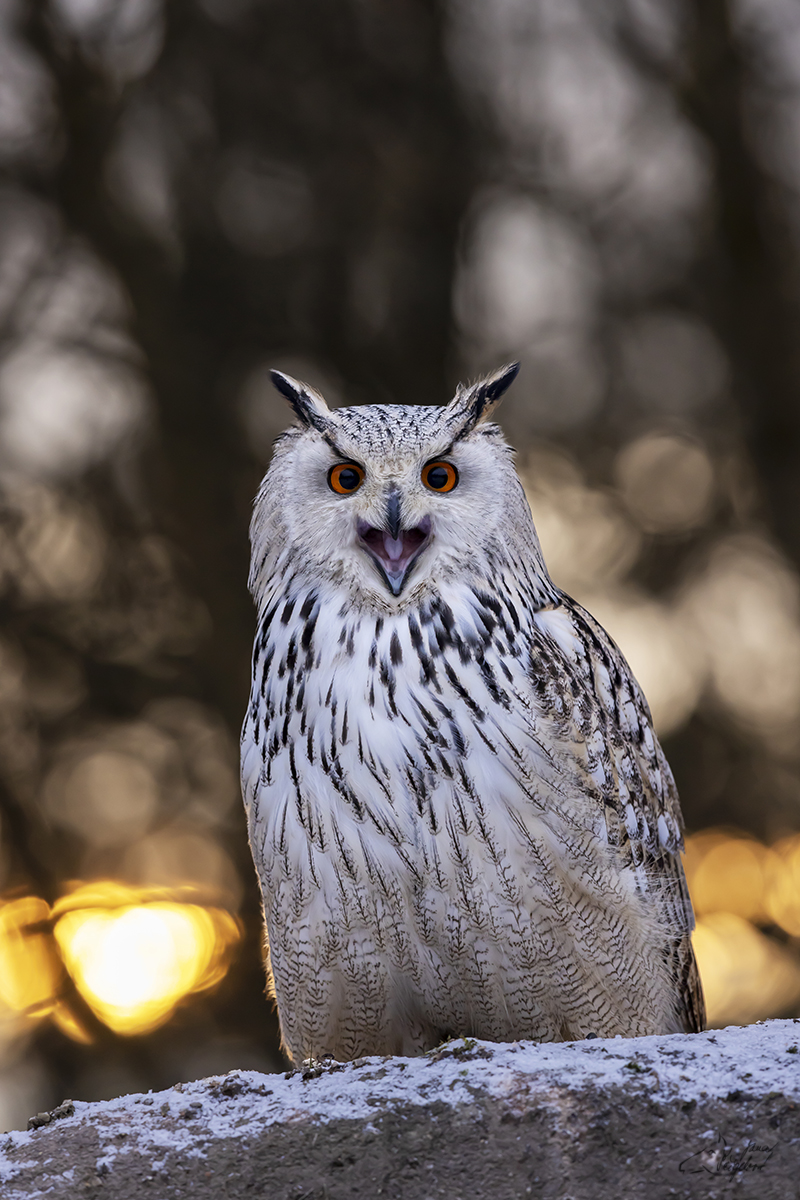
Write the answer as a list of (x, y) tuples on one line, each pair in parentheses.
[(709, 1115)]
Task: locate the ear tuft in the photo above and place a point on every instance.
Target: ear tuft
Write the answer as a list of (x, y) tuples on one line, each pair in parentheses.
[(308, 405), (475, 404)]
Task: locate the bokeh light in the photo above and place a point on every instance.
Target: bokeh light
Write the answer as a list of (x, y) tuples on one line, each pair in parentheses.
[(671, 363), (133, 954), (744, 604), (107, 796), (746, 975), (783, 890), (134, 957), (30, 968), (739, 888), (666, 481)]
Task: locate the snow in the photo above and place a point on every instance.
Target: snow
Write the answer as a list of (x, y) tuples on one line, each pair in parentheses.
[(757, 1060)]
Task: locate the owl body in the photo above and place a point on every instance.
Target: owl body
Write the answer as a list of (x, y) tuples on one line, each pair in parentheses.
[(461, 819)]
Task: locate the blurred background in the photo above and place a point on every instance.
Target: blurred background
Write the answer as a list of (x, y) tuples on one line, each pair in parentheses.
[(381, 197)]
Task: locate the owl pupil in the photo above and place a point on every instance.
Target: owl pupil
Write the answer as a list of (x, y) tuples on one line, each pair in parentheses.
[(349, 479), (438, 477)]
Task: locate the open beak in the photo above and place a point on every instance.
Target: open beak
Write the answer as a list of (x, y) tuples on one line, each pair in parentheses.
[(394, 550)]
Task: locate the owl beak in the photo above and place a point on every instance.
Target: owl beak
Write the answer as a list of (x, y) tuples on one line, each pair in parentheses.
[(394, 550)]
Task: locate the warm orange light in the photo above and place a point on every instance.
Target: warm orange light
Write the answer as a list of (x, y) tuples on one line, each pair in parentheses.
[(783, 893), (132, 953), (30, 970), (730, 873), (134, 957), (737, 883), (746, 975), (68, 1023)]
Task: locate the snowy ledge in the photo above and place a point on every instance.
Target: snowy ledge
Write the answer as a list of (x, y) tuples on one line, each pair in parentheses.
[(710, 1115)]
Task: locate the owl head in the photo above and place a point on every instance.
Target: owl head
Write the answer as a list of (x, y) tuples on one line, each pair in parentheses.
[(388, 502)]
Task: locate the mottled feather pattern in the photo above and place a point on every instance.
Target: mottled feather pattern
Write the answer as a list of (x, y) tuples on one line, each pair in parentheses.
[(462, 821)]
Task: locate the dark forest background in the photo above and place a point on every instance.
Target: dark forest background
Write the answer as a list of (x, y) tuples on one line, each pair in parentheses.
[(381, 197)]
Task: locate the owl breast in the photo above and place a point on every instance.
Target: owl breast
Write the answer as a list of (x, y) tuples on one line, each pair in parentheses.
[(434, 858)]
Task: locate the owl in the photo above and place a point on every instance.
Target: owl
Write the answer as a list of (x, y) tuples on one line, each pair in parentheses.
[(462, 821)]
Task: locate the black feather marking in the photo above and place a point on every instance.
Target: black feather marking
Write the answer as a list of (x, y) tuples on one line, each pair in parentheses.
[(497, 694), (487, 600), (446, 769), (434, 734), (311, 866), (462, 692), (266, 622), (302, 404), (334, 742), (303, 813), (265, 671), (308, 606), (336, 776), (395, 650), (431, 764), (293, 768), (457, 738), (308, 633), (388, 681), (282, 835), (485, 739), (445, 612), (484, 396), (344, 851), (427, 672), (463, 820)]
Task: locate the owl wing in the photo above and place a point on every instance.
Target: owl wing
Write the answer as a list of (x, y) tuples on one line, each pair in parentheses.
[(604, 725)]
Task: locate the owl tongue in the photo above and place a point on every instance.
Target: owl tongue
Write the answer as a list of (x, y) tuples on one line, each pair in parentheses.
[(393, 548), (394, 554)]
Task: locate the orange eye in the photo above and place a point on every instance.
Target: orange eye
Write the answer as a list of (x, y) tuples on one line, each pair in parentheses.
[(345, 478), (439, 476)]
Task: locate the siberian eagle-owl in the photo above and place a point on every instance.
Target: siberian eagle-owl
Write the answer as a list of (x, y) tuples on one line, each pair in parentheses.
[(461, 818)]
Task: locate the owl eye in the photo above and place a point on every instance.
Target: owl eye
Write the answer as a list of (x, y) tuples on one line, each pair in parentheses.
[(345, 478), (439, 476)]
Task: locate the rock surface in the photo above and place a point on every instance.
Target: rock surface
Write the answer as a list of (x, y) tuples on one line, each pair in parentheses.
[(711, 1115)]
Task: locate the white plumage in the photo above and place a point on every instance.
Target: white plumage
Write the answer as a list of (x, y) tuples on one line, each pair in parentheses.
[(462, 821)]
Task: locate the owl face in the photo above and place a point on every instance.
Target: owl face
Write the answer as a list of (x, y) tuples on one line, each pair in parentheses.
[(387, 501)]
